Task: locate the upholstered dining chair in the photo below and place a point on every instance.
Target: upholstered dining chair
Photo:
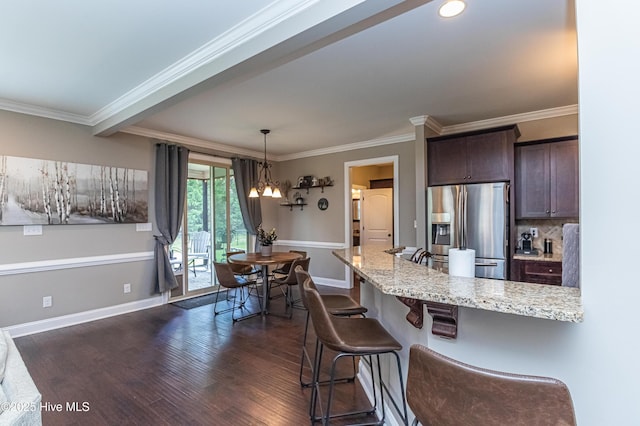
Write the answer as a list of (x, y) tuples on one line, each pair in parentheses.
[(285, 268), (230, 281), (244, 271), (287, 282), (445, 392)]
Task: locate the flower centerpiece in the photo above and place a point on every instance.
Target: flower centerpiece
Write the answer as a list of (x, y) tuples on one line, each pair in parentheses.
[(266, 239)]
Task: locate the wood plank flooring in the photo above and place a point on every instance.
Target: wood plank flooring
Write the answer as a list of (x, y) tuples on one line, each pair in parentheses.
[(170, 366)]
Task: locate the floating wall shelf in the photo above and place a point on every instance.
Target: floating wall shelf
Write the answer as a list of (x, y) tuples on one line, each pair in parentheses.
[(292, 205)]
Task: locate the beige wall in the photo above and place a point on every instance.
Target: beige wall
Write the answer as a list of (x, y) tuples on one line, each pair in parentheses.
[(314, 225), (78, 289)]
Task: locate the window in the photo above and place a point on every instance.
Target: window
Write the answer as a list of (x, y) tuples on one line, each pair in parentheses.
[(214, 226)]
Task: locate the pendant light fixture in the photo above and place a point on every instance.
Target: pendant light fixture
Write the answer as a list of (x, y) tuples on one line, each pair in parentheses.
[(265, 186)]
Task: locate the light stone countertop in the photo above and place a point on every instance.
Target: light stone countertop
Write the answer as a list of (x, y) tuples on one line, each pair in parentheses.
[(400, 277), (540, 257)]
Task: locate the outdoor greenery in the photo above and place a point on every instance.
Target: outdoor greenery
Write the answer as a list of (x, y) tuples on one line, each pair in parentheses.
[(197, 220)]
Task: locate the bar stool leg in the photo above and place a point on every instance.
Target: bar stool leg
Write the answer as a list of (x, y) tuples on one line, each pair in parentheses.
[(305, 357)]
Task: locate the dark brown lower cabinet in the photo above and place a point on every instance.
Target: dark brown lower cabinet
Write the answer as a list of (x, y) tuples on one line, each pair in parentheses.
[(536, 271)]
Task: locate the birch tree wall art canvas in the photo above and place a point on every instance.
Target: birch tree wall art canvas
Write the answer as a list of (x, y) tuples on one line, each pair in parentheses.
[(45, 192)]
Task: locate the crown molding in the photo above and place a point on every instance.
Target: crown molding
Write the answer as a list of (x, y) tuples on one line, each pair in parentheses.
[(349, 147), (190, 142), (37, 111), (231, 40), (510, 119), (427, 120)]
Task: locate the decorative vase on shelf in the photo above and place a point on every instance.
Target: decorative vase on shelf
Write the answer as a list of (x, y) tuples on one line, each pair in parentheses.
[(266, 250)]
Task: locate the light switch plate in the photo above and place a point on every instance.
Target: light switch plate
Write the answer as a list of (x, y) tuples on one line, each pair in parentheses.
[(32, 230), (144, 227)]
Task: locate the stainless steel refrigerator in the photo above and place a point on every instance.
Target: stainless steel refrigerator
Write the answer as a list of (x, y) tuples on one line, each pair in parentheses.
[(475, 216)]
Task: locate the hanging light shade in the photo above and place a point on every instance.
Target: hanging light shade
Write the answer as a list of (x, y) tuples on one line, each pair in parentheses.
[(265, 186)]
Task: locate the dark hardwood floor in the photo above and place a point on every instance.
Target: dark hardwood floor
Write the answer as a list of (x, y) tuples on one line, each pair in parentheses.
[(168, 365)]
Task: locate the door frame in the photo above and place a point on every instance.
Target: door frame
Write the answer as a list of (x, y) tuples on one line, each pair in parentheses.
[(348, 219)]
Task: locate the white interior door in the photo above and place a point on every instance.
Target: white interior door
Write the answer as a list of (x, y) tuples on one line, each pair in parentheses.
[(377, 216)]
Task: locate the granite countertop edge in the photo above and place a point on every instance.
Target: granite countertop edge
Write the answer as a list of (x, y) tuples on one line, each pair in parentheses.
[(400, 277)]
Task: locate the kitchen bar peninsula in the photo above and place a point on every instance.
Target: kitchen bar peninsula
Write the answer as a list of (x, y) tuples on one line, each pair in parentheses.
[(399, 277)]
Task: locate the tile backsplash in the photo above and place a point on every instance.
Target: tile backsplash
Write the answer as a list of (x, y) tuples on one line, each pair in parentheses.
[(547, 228)]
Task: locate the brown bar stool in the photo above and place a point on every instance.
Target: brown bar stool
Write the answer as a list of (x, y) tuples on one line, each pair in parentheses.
[(350, 337), (445, 392), (336, 304)]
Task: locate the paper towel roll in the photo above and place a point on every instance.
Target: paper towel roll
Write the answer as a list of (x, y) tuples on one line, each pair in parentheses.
[(462, 263)]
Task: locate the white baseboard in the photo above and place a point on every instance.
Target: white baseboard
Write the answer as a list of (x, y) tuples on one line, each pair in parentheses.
[(40, 326), (364, 375), (86, 316)]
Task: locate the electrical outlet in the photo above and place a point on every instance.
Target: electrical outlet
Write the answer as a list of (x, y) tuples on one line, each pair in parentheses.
[(534, 232), (47, 301), (127, 288)]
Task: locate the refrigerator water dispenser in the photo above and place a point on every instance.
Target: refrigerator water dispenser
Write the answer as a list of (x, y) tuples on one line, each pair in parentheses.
[(441, 229)]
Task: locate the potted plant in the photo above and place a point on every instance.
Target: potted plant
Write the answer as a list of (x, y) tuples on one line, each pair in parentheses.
[(266, 240)]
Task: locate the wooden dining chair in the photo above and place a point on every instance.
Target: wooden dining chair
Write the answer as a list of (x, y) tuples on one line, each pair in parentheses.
[(445, 392)]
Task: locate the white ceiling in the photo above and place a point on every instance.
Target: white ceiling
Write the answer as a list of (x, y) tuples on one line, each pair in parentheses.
[(319, 74)]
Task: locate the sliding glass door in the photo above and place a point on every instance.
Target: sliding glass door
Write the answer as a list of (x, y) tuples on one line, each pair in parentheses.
[(212, 226)]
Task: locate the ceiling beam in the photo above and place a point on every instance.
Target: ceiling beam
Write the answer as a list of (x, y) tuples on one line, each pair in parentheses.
[(278, 34)]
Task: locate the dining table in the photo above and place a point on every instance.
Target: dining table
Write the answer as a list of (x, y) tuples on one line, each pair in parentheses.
[(275, 258)]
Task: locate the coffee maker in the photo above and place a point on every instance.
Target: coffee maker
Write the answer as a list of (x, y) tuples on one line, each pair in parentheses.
[(526, 244)]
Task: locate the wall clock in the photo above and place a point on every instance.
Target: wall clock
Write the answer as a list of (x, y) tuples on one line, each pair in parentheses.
[(323, 204)]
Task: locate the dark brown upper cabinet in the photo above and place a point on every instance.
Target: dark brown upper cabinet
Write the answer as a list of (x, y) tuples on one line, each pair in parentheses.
[(472, 157), (547, 179)]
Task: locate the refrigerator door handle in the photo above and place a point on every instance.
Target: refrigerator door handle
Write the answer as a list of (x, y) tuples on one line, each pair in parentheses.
[(463, 216), (487, 264)]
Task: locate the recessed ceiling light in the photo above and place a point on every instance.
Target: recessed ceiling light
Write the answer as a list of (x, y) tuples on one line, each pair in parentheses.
[(451, 8)]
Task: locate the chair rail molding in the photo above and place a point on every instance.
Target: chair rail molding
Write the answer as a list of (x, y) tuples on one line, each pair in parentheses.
[(312, 244), (70, 263)]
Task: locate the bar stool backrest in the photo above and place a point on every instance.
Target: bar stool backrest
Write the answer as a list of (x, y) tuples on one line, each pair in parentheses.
[(442, 391), (302, 276), (322, 323)]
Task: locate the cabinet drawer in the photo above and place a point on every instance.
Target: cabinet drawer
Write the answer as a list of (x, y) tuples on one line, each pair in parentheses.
[(542, 272), (538, 272), (546, 268)]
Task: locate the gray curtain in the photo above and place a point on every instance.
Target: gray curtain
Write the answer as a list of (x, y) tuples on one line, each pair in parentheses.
[(170, 192), (246, 175)]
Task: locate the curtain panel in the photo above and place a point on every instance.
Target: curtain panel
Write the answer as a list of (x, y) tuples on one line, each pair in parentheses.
[(170, 192), (245, 172)]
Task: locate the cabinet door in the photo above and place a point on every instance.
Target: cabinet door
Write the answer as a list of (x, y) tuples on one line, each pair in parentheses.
[(447, 161), (532, 181), (488, 158), (564, 179)]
